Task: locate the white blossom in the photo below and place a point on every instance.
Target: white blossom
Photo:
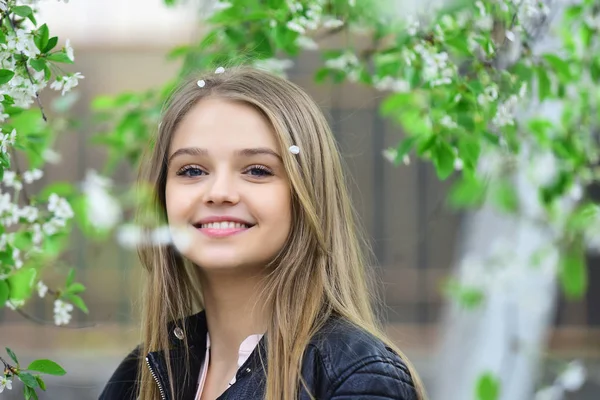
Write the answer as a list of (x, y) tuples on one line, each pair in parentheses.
[(14, 304), (62, 312), (458, 164), (573, 377), (296, 27), (274, 65), (60, 207), (129, 236), (32, 176), (69, 50), (413, 25), (390, 154), (66, 82), (103, 211), (7, 139), (38, 235), (333, 23), (505, 115), (306, 43), (344, 62), (51, 156), (4, 381), (42, 289), (392, 84)]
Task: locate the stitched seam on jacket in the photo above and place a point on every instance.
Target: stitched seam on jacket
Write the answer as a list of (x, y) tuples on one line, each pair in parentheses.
[(363, 363)]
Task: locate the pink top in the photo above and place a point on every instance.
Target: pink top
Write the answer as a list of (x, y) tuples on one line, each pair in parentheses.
[(246, 348)]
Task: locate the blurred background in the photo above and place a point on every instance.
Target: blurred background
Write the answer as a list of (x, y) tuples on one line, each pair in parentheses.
[(121, 46)]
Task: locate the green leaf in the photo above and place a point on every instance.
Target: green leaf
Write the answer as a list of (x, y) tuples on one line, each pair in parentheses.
[(75, 288), (573, 273), (77, 302), (2, 37), (12, 355), (52, 42), (583, 217), (466, 296), (544, 83), (103, 103), (21, 283), (28, 380), (6, 75), (46, 367), (70, 277), (405, 147), (3, 292), (40, 382), (41, 37), (39, 64), (443, 158), (396, 102), (488, 387), (29, 393), (559, 66), (503, 195), (467, 192), (541, 130), (59, 56), (22, 11), (595, 69)]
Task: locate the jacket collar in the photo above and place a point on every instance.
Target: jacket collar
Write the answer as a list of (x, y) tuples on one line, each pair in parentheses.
[(185, 375)]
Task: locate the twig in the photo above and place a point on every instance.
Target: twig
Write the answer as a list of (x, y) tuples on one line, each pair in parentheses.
[(37, 96), (8, 367), (44, 322)]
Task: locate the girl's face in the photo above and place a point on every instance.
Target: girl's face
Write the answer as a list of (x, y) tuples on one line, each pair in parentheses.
[(227, 186)]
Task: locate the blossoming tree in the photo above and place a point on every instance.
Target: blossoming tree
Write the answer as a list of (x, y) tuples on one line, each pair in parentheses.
[(454, 76), (34, 225)]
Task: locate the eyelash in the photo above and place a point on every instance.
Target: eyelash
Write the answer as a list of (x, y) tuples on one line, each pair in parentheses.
[(264, 170)]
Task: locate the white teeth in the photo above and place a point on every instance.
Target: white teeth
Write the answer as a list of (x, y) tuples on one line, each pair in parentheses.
[(223, 225)]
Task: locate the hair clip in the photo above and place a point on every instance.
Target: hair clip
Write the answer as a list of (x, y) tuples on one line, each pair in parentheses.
[(220, 70), (201, 83), (294, 149)]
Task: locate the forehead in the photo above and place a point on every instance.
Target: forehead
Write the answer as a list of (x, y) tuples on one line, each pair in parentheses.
[(223, 124)]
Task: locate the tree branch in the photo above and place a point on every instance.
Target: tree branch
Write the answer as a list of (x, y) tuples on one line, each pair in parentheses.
[(44, 322), (37, 96)]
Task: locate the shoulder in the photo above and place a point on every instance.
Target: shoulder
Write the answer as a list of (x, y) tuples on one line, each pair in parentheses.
[(122, 383), (355, 363)]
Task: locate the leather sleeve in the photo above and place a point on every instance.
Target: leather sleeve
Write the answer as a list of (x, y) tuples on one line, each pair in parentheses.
[(123, 383), (375, 377)]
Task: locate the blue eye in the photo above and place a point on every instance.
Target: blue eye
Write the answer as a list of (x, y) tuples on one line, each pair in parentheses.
[(259, 171), (190, 171)]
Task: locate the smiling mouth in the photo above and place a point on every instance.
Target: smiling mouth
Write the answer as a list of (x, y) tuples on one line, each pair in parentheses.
[(223, 225)]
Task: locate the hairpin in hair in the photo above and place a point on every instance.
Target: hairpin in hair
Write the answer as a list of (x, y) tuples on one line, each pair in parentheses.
[(201, 83), (294, 149), (220, 70)]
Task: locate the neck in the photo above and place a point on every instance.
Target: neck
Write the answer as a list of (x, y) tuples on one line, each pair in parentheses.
[(233, 310)]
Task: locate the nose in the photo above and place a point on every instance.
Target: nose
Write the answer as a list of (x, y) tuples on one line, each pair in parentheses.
[(221, 189)]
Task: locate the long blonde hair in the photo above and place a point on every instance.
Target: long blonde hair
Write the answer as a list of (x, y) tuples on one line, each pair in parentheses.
[(321, 270)]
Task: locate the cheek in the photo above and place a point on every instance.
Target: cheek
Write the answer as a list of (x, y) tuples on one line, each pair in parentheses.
[(176, 202)]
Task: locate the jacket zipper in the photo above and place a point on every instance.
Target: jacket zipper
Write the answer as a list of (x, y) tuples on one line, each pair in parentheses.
[(162, 392)]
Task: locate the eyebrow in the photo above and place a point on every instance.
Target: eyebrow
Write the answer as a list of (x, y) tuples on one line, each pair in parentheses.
[(197, 151)]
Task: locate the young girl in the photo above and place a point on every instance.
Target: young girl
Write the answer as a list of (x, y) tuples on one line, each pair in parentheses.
[(247, 167)]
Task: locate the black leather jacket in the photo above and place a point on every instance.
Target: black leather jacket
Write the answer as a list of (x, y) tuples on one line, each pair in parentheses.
[(342, 362)]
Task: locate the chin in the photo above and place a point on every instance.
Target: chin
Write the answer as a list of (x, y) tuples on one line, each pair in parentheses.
[(225, 262)]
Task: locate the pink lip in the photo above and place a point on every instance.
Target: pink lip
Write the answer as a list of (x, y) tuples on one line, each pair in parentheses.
[(221, 218)]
